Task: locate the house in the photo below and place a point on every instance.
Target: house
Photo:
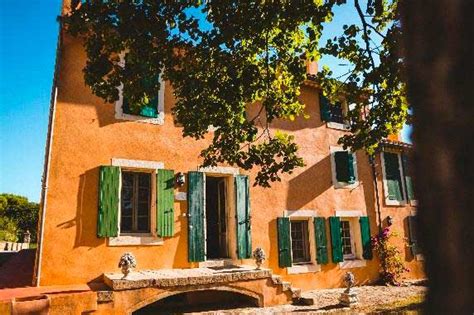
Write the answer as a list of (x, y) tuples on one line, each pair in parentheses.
[(119, 181)]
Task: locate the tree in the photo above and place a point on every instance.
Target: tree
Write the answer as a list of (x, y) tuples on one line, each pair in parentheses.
[(17, 215), (438, 44), (238, 66)]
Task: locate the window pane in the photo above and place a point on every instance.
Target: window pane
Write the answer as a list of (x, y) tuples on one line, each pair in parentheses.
[(299, 241), (126, 224), (346, 238), (337, 113), (142, 224)]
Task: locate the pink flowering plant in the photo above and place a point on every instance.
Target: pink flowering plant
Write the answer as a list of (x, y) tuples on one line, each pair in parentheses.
[(391, 262)]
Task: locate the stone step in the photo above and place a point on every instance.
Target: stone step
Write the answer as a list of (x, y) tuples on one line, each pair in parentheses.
[(276, 279), (285, 285), (295, 292)]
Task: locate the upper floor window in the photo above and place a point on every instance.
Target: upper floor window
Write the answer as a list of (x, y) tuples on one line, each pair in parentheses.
[(344, 168), (334, 114), (397, 178)]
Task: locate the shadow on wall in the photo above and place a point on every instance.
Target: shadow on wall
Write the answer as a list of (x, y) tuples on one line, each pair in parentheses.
[(308, 185), (85, 220)]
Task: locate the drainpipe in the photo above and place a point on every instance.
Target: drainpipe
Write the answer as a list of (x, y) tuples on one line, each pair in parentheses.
[(376, 188)]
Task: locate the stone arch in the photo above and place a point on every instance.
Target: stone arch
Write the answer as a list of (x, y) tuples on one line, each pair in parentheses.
[(258, 298)]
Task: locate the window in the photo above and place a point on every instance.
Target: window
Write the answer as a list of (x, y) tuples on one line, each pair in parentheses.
[(347, 240), (135, 202), (151, 111), (344, 168), (397, 178), (300, 242), (333, 114)]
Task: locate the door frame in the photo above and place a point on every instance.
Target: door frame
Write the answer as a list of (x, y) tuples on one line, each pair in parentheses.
[(228, 173)]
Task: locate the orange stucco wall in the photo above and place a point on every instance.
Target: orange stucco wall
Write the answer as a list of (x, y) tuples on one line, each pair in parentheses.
[(86, 136)]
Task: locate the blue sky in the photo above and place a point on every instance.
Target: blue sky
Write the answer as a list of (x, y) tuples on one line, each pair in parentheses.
[(28, 34)]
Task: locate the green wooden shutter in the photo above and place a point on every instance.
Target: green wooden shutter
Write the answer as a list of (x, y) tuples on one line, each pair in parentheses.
[(324, 107), (412, 235), (165, 203), (109, 182), (321, 241), (284, 242), (336, 240), (365, 237), (351, 167), (196, 233), (242, 205), (344, 167), (408, 178), (392, 176)]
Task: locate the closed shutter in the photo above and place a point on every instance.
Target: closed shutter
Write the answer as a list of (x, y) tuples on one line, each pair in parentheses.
[(365, 237), (392, 176), (109, 182), (335, 227), (413, 237), (321, 241), (196, 234), (344, 167), (408, 178), (242, 204), (164, 203), (324, 107), (284, 242)]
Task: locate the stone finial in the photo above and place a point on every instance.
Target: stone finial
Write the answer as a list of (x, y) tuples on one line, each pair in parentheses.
[(349, 296), (127, 263), (259, 256), (27, 237)]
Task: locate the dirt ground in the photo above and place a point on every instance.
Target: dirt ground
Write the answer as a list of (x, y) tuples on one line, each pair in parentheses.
[(372, 299)]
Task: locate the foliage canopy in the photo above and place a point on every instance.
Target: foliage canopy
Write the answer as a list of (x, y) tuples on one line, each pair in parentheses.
[(17, 215), (239, 65)]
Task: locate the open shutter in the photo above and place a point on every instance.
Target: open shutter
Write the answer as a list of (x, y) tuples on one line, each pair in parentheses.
[(284, 242), (392, 176), (321, 241), (196, 233), (242, 204), (324, 107), (365, 237), (408, 178), (344, 167), (335, 227), (164, 203), (109, 182), (413, 236)]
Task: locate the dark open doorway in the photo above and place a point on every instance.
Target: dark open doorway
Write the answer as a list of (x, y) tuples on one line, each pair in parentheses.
[(216, 223)]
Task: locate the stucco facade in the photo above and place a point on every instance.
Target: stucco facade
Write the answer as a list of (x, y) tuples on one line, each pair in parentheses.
[(86, 134)]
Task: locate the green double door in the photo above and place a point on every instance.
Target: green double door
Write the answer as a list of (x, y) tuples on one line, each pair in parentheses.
[(208, 221)]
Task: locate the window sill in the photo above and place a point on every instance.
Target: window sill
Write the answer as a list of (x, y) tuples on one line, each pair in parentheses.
[(390, 202), (160, 120), (419, 257), (343, 185), (356, 263), (338, 126), (414, 203), (133, 240), (303, 268)]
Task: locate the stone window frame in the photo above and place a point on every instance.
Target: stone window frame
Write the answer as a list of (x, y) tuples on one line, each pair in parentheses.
[(159, 120), (312, 266), (146, 239), (337, 184), (353, 217), (388, 201)]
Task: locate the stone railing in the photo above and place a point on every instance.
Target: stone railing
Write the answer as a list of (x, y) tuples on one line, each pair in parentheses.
[(13, 247)]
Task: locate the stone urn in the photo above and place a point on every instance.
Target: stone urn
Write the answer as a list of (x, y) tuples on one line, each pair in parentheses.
[(349, 296), (259, 256), (127, 263)]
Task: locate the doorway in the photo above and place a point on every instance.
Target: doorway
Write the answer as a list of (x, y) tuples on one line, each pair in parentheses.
[(216, 219)]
